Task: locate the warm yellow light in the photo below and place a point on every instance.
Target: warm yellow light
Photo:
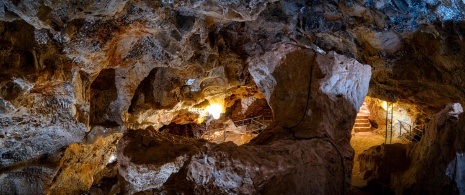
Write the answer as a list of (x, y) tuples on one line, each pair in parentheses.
[(215, 110), (200, 120), (384, 105)]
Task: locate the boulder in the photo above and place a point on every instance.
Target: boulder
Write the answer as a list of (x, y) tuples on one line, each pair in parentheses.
[(314, 156), (432, 165)]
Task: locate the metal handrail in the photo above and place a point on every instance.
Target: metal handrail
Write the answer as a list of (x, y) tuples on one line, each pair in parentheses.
[(242, 122), (410, 125), (410, 132), (251, 121)]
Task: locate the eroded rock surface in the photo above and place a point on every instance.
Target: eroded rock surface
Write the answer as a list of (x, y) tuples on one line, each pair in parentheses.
[(281, 159), (248, 107), (317, 94), (151, 162), (432, 165), (75, 72)]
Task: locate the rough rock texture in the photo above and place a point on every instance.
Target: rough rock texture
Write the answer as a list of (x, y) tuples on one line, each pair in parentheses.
[(379, 164), (167, 164), (410, 114), (71, 70), (434, 165), (415, 47), (74, 82), (320, 92), (84, 165), (147, 159), (250, 107), (73, 170), (281, 159)]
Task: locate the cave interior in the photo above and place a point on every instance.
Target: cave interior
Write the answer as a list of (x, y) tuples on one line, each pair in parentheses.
[(232, 97)]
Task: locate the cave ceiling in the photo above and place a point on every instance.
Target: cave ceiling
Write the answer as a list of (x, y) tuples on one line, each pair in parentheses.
[(415, 48), (83, 72)]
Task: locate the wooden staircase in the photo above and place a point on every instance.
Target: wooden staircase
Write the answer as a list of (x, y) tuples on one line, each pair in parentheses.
[(362, 124)]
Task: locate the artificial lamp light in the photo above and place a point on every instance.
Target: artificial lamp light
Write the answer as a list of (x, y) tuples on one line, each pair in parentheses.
[(215, 110), (384, 105)]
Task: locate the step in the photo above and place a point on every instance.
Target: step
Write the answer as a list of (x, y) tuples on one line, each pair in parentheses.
[(362, 117), (361, 120), (362, 129), (362, 125)]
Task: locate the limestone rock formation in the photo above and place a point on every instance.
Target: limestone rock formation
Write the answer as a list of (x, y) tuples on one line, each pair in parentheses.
[(324, 89), (74, 73), (432, 165), (249, 107), (306, 164), (167, 164)]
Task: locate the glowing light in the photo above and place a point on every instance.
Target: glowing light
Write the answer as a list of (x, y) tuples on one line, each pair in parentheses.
[(384, 105), (200, 120), (111, 159), (215, 110), (389, 106)]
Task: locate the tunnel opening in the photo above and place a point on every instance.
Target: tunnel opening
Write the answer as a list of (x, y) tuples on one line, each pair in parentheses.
[(73, 92), (199, 107), (241, 121), (380, 122), (385, 164), (377, 116)]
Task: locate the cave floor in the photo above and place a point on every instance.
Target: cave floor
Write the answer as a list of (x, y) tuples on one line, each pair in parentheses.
[(362, 141)]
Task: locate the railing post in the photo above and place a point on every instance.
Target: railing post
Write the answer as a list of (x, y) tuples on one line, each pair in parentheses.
[(387, 118), (410, 132)]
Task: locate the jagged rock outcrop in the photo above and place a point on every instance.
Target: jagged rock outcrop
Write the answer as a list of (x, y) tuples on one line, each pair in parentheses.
[(308, 155), (326, 82), (432, 166), (157, 163), (84, 165), (76, 72), (72, 170), (248, 107)]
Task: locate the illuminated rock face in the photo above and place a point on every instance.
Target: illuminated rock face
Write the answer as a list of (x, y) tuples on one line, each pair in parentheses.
[(409, 168), (325, 82), (282, 159), (79, 72)]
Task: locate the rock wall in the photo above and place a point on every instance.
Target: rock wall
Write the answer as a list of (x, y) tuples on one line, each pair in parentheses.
[(415, 47), (410, 115), (432, 165), (72, 72), (313, 156)]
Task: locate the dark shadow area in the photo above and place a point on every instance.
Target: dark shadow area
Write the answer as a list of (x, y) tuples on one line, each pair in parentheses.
[(102, 93)]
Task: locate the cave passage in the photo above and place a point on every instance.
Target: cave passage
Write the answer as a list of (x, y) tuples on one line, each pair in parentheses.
[(251, 118), (232, 97)]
